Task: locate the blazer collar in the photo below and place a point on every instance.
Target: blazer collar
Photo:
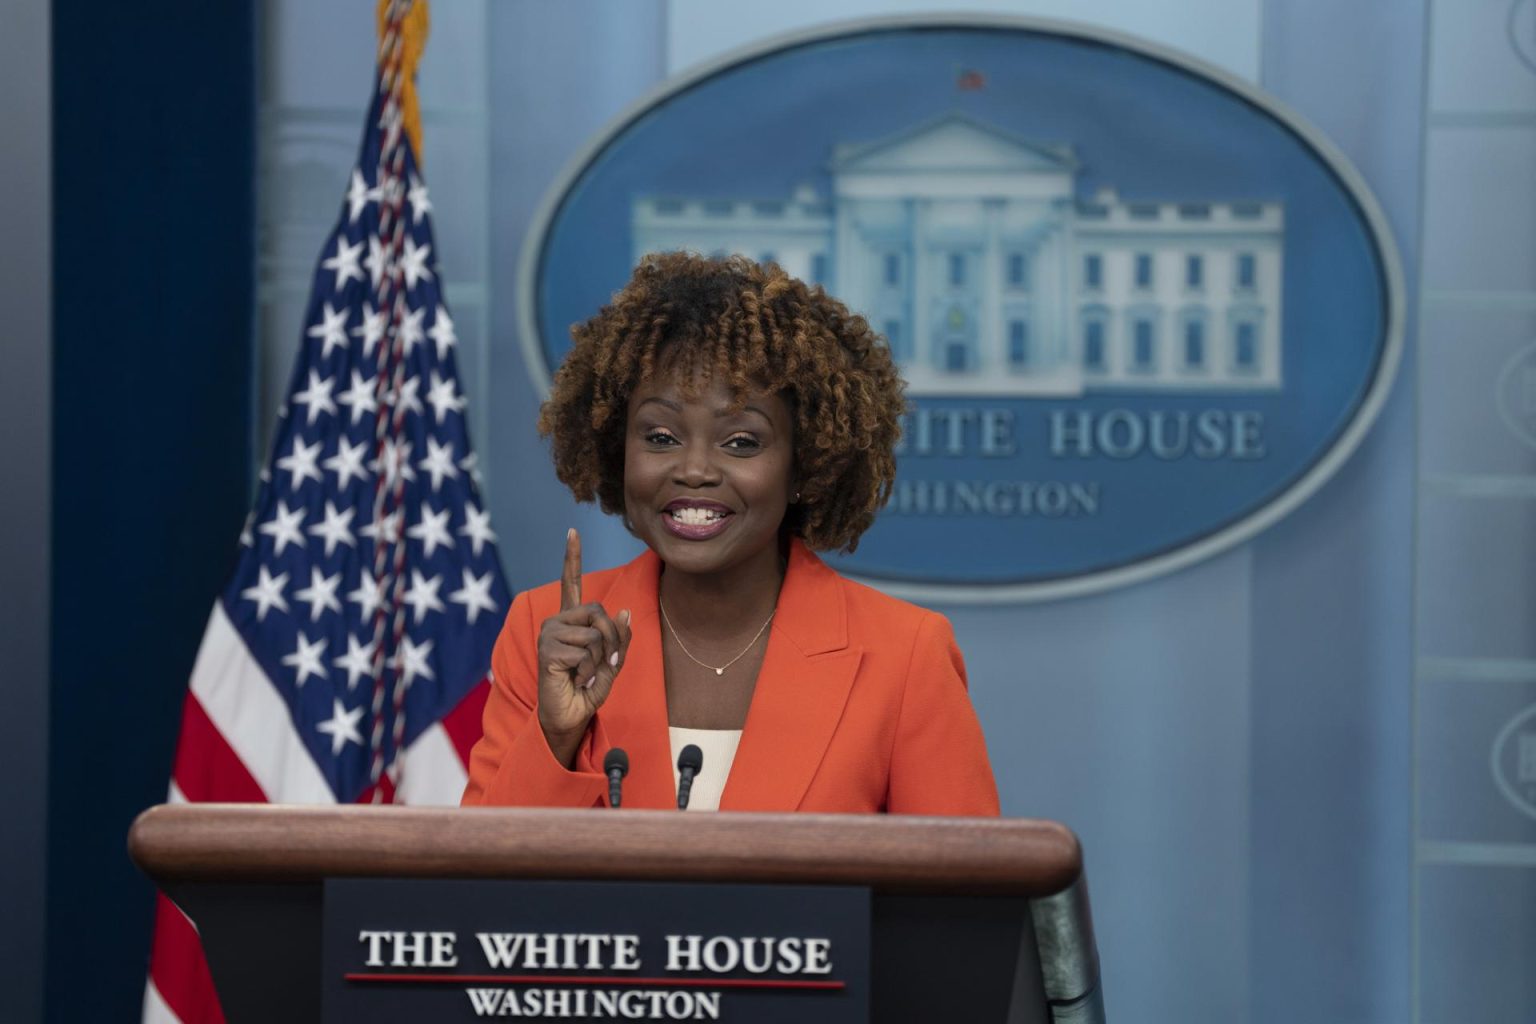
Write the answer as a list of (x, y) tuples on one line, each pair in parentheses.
[(812, 612), (802, 688)]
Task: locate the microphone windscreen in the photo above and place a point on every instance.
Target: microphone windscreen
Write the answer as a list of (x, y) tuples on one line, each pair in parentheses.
[(616, 761), (691, 757)]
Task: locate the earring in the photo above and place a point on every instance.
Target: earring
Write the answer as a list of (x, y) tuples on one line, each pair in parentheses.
[(796, 499)]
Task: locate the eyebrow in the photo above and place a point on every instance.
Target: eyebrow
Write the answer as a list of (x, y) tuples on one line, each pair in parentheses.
[(719, 413)]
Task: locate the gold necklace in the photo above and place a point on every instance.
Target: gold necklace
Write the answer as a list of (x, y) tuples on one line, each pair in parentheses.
[(721, 670)]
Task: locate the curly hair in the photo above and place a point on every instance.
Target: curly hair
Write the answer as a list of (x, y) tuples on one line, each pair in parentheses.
[(765, 331)]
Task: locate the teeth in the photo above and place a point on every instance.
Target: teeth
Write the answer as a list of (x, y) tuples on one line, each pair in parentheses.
[(696, 516)]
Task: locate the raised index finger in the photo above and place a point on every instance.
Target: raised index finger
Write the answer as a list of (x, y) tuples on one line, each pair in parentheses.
[(570, 573)]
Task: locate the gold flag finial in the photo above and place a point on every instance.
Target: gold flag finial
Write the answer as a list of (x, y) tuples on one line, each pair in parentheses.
[(413, 27)]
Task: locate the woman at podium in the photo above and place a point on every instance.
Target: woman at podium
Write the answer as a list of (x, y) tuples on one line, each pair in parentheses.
[(739, 421)]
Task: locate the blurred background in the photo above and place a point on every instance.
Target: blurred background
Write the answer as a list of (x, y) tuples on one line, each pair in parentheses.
[(1304, 770)]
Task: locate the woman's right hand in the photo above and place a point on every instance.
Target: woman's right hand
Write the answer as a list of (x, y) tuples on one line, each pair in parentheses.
[(581, 651)]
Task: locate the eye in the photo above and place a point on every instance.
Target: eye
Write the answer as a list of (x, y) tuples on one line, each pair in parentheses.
[(659, 437), (743, 443)]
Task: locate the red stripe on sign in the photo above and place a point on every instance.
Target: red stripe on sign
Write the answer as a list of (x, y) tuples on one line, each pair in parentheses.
[(463, 723), (548, 979), (207, 768), (178, 968)]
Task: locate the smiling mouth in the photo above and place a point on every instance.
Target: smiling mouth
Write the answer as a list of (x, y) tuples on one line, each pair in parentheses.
[(690, 521), (691, 516)]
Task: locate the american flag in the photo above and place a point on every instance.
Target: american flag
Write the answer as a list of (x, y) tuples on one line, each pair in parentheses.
[(346, 660)]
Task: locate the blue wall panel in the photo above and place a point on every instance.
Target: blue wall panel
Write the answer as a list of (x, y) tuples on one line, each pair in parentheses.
[(1332, 595), (154, 162)]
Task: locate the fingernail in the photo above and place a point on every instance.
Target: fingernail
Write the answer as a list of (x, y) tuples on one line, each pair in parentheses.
[(613, 659), (591, 682), (569, 533), (625, 613)]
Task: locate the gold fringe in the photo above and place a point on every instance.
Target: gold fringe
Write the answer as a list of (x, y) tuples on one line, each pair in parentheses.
[(413, 40)]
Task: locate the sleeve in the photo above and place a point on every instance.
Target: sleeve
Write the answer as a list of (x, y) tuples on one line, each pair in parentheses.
[(511, 765), (939, 759)]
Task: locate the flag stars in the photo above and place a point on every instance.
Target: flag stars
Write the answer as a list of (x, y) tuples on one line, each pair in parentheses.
[(439, 463), (377, 262), (407, 397), (299, 464), (475, 595), (477, 527), (344, 262), (358, 661), (411, 331), (390, 188), (341, 727), (384, 531), (432, 530), (359, 195), (336, 529), (320, 595), (305, 659), (444, 397), (283, 527), (331, 330), (347, 462), (394, 462), (470, 464), (267, 593), (413, 263), (400, 579), (359, 397), (417, 197), (411, 661), (422, 595), (380, 252), (368, 596), (371, 330), (316, 398), (442, 334)]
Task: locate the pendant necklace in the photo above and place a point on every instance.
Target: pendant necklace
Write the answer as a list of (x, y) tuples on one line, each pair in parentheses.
[(720, 671)]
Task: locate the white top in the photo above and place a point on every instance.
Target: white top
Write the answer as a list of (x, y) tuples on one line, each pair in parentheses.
[(719, 748)]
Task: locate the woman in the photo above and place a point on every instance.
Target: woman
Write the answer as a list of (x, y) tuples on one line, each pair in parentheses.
[(737, 420)]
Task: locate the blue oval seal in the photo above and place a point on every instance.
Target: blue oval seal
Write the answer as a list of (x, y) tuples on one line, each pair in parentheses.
[(1143, 310)]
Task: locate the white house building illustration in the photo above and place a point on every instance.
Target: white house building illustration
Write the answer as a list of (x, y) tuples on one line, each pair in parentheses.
[(972, 252)]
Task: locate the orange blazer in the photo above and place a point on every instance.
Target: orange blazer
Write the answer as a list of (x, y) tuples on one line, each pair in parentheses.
[(860, 705)]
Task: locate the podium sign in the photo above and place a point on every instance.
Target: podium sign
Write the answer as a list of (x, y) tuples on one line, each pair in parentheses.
[(410, 950), (426, 913)]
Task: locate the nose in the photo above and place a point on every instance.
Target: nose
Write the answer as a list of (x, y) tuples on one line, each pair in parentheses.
[(696, 466)]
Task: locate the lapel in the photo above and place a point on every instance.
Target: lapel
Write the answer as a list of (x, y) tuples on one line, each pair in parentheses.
[(635, 715), (808, 671)]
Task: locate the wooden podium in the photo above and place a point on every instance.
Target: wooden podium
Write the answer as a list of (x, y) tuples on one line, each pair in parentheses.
[(970, 919)]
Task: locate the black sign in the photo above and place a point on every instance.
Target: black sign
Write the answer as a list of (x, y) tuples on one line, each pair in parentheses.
[(414, 950)]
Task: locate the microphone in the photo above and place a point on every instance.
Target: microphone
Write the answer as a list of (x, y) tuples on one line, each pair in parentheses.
[(688, 764), (616, 766)]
